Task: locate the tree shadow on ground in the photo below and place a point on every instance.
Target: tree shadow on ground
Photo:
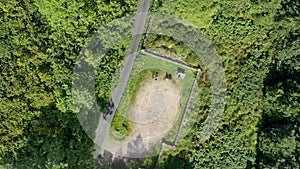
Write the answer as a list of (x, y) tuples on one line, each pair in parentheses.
[(278, 132), (134, 149)]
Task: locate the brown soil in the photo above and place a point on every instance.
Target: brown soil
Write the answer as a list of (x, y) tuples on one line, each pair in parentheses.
[(152, 115)]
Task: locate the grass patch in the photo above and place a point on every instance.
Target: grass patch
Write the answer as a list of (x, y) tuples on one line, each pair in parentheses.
[(185, 85), (136, 83), (120, 126), (143, 69)]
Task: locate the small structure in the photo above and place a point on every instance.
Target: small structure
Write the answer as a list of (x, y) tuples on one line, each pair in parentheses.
[(180, 73), (156, 75), (168, 76)]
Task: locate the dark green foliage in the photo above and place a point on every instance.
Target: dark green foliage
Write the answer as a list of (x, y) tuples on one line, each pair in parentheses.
[(255, 39), (278, 146), (109, 70), (177, 161), (278, 143), (282, 85), (121, 125), (252, 39), (39, 43), (169, 46), (291, 8)]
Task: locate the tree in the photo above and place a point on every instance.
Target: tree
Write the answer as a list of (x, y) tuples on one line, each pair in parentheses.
[(278, 142)]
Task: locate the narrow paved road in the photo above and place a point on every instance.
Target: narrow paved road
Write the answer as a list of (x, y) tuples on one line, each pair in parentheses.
[(104, 123)]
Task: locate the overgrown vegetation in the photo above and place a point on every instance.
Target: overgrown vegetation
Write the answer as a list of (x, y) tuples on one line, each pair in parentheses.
[(257, 41), (260, 126), (168, 46), (120, 126), (39, 43)]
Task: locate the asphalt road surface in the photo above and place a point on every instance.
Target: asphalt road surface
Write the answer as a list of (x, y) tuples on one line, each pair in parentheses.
[(105, 121)]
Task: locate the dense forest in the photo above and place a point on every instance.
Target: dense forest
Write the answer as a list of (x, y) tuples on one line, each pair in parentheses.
[(257, 40), (40, 41)]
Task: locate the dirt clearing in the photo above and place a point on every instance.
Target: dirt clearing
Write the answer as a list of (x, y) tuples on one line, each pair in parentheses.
[(153, 114)]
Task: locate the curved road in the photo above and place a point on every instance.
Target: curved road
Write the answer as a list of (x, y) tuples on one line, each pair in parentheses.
[(105, 121)]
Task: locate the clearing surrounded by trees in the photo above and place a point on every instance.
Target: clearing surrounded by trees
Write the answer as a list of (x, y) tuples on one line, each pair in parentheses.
[(151, 107)]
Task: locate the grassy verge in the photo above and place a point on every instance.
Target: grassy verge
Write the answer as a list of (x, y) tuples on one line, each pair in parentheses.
[(120, 126), (136, 83)]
